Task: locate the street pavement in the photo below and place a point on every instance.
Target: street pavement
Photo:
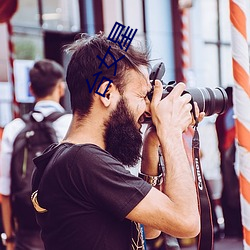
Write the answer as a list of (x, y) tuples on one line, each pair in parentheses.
[(223, 244)]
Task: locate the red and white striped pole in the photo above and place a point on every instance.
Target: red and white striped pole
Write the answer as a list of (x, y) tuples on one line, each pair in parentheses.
[(185, 65), (15, 106), (241, 95), (185, 55)]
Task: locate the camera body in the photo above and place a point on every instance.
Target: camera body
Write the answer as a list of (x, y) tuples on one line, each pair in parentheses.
[(210, 101)]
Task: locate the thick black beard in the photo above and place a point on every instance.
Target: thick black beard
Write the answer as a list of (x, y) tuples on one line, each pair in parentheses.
[(122, 138)]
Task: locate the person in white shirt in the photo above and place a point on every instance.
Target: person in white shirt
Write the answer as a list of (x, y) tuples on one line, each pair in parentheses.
[(48, 86)]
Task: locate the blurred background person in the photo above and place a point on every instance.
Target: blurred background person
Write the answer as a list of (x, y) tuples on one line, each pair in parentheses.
[(47, 86), (210, 162), (225, 126)]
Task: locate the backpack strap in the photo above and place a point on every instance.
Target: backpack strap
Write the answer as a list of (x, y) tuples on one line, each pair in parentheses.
[(54, 116), (51, 118)]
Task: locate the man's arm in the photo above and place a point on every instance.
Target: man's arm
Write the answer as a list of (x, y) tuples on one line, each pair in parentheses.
[(9, 134), (175, 211), (149, 166), (7, 220)]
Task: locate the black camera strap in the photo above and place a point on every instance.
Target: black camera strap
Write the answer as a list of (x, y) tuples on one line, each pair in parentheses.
[(205, 238)]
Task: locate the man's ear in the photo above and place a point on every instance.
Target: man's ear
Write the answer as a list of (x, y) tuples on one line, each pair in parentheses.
[(31, 90), (62, 88), (105, 92)]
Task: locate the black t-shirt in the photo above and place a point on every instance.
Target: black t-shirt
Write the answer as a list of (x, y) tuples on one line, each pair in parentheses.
[(88, 194)]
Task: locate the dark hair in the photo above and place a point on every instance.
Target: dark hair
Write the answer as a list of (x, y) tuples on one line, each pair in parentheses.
[(44, 76), (84, 64)]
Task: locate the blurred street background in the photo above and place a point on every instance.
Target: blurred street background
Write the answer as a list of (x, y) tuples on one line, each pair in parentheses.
[(193, 39)]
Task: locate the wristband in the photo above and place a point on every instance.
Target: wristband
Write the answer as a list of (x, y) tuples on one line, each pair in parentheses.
[(6, 239), (152, 180)]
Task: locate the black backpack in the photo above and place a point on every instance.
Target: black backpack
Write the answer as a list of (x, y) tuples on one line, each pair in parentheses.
[(37, 135)]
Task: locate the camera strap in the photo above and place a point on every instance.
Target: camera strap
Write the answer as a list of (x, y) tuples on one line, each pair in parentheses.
[(205, 238)]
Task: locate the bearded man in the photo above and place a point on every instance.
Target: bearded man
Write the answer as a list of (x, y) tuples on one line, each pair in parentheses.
[(84, 196)]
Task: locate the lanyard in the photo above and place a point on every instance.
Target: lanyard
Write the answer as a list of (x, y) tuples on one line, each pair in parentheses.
[(205, 238)]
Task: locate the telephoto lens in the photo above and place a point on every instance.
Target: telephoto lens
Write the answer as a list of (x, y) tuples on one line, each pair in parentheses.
[(210, 101)]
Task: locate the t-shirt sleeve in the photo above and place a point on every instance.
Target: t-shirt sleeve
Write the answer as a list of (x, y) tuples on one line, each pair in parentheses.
[(10, 133), (107, 183)]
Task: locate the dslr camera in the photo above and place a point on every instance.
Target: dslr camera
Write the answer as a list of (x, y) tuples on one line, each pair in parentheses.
[(210, 101)]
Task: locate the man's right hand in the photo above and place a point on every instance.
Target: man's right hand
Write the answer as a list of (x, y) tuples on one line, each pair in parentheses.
[(172, 114)]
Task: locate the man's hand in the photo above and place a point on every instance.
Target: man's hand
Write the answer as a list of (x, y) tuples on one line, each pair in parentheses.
[(172, 114), (199, 115)]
